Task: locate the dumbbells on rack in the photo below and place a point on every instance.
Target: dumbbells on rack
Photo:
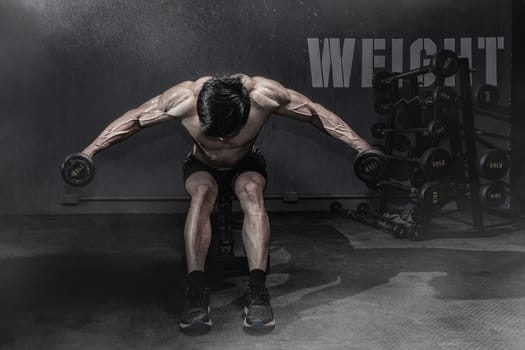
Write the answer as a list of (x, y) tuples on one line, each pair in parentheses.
[(444, 64), (493, 164), (371, 165), (430, 195), (435, 176), (436, 129), (485, 96)]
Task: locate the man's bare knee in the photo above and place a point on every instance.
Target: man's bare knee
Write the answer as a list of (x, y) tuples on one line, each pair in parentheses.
[(203, 191), (250, 194)]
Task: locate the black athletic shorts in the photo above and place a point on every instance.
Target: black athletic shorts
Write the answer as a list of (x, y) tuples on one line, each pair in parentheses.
[(253, 161)]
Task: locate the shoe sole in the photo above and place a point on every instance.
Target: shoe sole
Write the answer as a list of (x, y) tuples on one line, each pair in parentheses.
[(199, 325), (196, 325), (257, 325)]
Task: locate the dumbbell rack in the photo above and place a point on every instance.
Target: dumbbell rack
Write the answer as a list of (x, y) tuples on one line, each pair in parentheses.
[(421, 144), (463, 148), (466, 144), (391, 124)]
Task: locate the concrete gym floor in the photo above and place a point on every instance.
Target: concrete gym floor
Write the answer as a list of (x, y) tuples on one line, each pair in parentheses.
[(115, 282)]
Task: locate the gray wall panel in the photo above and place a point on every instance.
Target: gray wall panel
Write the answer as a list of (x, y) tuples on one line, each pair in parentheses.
[(68, 68)]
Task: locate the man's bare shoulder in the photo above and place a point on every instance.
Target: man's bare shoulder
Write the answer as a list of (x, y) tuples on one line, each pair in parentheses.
[(267, 92), (187, 86), (181, 92)]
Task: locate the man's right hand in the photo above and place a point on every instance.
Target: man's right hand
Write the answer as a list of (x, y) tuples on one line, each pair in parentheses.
[(78, 169)]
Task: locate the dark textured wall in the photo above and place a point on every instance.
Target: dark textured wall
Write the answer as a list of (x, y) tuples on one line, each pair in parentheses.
[(68, 68)]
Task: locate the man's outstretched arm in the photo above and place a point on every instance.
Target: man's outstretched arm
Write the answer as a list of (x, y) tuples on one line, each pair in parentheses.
[(293, 104), (175, 103)]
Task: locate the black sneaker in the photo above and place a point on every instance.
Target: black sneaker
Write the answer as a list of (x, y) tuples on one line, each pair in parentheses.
[(258, 313), (196, 314)]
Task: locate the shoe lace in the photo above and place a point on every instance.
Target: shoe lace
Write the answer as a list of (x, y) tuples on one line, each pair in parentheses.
[(258, 296)]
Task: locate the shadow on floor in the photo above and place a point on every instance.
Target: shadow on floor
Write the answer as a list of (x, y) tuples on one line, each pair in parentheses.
[(78, 288)]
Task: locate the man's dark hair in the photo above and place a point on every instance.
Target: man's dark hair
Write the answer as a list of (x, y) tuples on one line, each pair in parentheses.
[(223, 106)]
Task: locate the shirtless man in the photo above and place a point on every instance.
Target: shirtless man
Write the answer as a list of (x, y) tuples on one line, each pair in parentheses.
[(224, 117)]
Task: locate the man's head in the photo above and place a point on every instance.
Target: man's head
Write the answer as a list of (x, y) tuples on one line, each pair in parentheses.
[(223, 106)]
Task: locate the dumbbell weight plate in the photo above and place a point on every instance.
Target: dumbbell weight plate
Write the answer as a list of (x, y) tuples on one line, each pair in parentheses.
[(363, 207), (378, 80), (370, 166), (336, 208), (382, 106), (415, 233), (435, 163), (438, 130), (493, 195), (399, 231), (432, 196), (493, 164), (377, 130), (78, 169), (445, 96), (445, 63), (486, 96)]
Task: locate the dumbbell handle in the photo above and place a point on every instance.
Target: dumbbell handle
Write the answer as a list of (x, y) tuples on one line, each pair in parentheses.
[(492, 114), (408, 74), (434, 67), (371, 165), (403, 130), (492, 134), (404, 159), (373, 214), (447, 95), (412, 190)]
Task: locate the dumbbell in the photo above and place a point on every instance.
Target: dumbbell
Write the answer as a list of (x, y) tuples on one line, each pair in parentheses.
[(443, 95), (371, 165), (493, 195), (486, 96), (446, 95), (430, 195), (493, 164), (436, 128), (337, 208), (382, 106), (398, 230), (397, 170), (443, 64), (78, 169)]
